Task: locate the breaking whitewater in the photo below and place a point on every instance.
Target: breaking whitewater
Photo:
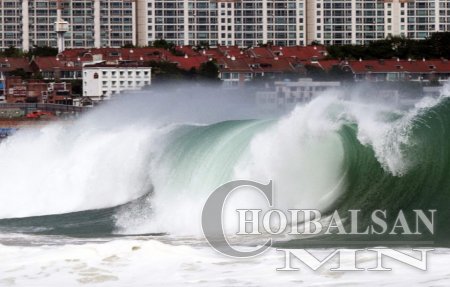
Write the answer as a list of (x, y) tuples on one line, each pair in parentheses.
[(115, 197)]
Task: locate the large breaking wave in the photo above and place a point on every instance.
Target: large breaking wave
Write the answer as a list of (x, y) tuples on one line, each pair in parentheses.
[(150, 172)]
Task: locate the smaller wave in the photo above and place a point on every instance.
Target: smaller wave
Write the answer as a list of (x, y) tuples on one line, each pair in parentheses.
[(89, 223)]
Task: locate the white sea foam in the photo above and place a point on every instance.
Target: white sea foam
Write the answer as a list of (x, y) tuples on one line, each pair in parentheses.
[(60, 168), (143, 262)]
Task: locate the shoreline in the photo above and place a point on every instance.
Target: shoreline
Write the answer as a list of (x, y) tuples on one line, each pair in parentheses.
[(17, 123)]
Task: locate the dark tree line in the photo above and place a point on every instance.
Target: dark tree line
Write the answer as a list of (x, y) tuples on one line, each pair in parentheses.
[(13, 52), (163, 72), (435, 47), (336, 73)]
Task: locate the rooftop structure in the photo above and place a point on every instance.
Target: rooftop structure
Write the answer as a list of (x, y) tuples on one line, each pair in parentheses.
[(61, 27)]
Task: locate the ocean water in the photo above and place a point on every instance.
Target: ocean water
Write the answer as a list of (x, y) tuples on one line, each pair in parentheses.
[(115, 198)]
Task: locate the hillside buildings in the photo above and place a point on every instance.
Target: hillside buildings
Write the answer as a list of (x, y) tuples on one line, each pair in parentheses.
[(19, 90), (116, 23), (87, 76), (7, 66)]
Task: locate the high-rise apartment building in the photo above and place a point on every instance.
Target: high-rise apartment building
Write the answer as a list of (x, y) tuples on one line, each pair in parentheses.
[(345, 21), (114, 23), (93, 23), (10, 23), (289, 22), (362, 21), (421, 17), (241, 22)]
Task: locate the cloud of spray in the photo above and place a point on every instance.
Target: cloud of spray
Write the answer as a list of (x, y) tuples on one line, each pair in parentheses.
[(103, 158)]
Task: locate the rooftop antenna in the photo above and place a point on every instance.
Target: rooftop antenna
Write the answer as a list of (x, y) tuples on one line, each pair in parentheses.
[(61, 26)]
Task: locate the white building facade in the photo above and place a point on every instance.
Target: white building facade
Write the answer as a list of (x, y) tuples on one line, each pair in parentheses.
[(103, 81), (288, 94)]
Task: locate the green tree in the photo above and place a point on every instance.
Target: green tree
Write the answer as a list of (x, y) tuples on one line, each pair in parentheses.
[(337, 73), (202, 45), (12, 52), (316, 73), (436, 46), (163, 71), (128, 46), (439, 44), (161, 43), (209, 71), (44, 51), (20, 73)]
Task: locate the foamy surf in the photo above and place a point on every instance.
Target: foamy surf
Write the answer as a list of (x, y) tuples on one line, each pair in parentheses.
[(146, 262)]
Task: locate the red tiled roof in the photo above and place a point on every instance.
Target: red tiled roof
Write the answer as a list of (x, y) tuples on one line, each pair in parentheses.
[(327, 64), (224, 52), (270, 65), (260, 52), (108, 54), (232, 51), (187, 63), (301, 52), (226, 64), (232, 58), (11, 64), (409, 66), (187, 50), (51, 63), (213, 53)]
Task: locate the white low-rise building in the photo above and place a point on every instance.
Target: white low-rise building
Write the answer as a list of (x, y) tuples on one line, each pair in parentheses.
[(102, 81), (288, 94)]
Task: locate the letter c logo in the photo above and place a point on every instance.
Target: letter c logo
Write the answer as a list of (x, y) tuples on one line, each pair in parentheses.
[(212, 224)]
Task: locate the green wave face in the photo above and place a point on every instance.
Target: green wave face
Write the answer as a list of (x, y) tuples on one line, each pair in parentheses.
[(424, 186)]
